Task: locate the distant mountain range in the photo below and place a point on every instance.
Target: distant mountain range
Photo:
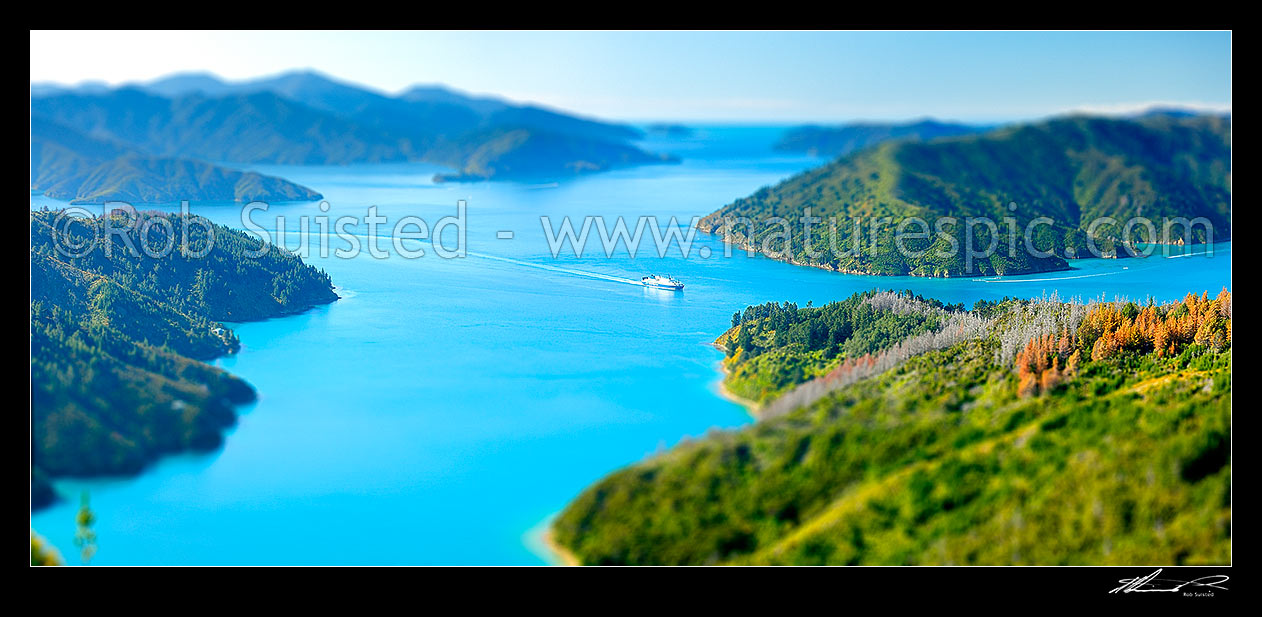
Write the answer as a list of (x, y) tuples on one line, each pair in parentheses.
[(309, 119), (833, 141), (1073, 170), (69, 165)]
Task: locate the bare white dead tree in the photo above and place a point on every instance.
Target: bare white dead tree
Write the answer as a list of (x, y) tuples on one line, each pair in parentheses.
[(1014, 329), (902, 304), (957, 328), (1040, 317)]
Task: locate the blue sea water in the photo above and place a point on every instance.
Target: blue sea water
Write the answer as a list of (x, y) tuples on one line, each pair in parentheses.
[(443, 409)]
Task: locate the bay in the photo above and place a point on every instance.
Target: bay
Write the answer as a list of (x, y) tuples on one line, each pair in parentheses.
[(443, 409)]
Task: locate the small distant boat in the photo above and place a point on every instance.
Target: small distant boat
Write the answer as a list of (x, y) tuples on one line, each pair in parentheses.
[(661, 282)]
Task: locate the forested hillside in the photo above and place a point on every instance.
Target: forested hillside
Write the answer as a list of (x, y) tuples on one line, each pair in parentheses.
[(68, 165), (119, 340), (1060, 434), (1071, 170), (772, 347), (305, 118)]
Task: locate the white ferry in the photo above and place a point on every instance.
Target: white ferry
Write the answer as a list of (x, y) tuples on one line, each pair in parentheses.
[(661, 282)]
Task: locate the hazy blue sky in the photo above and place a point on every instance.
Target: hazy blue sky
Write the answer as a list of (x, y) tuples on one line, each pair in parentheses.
[(762, 76)]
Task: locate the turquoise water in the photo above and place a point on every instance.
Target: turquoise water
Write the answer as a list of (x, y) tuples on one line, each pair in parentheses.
[(442, 410)]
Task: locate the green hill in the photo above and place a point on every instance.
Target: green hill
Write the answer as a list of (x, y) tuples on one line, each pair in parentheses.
[(773, 347), (259, 127), (119, 343), (305, 118), (1058, 434), (68, 165), (1071, 170)]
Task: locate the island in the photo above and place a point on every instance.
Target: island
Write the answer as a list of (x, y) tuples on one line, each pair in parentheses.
[(525, 155), (897, 430), (120, 340)]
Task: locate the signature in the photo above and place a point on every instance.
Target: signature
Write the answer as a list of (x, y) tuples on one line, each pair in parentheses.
[(1152, 583)]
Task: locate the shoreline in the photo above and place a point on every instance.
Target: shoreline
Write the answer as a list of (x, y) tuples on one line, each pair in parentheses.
[(751, 407), (541, 543), (562, 556), (567, 558), (745, 246), (149, 461)]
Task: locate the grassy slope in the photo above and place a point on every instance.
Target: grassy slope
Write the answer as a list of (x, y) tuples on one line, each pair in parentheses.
[(1138, 475)]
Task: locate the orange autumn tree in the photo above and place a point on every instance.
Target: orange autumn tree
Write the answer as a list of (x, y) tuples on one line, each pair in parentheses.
[(1039, 364), (1110, 329)]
